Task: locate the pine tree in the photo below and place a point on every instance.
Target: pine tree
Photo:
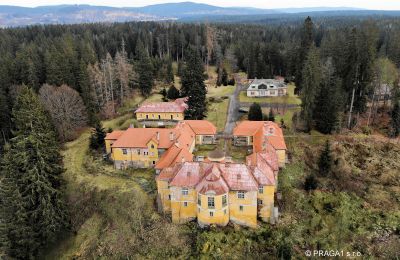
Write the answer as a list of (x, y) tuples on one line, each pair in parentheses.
[(395, 122), (145, 71), (97, 137), (255, 112), (32, 166), (325, 160), (310, 86), (173, 92), (271, 115), (193, 86)]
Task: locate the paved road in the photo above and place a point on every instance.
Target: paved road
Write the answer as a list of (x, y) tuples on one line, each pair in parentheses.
[(273, 105), (233, 110)]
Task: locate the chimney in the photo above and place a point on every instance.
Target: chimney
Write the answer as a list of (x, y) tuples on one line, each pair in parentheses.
[(171, 136), (158, 136)]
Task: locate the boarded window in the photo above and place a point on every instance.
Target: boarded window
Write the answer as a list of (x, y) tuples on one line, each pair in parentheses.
[(224, 201)]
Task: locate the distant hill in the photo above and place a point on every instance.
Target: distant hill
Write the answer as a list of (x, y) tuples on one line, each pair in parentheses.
[(11, 16)]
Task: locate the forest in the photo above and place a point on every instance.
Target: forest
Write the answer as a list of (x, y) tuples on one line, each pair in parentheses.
[(58, 80)]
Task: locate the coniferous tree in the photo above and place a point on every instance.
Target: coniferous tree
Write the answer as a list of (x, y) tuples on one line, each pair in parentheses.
[(271, 115), (311, 182), (224, 77), (144, 69), (32, 166), (327, 108), (311, 78), (97, 137), (307, 41), (395, 121), (4, 117), (255, 112), (163, 93), (173, 92), (193, 86), (325, 160)]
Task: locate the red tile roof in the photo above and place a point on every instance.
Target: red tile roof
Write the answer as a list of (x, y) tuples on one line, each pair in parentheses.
[(188, 175), (261, 131), (177, 106), (174, 155), (114, 135), (201, 127), (239, 177), (212, 183)]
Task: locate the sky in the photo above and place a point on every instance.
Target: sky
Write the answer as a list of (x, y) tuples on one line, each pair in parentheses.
[(267, 4)]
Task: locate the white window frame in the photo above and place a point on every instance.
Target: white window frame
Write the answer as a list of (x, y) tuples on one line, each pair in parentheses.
[(185, 191), (240, 195)]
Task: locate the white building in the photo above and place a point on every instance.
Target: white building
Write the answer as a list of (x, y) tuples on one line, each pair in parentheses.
[(267, 88)]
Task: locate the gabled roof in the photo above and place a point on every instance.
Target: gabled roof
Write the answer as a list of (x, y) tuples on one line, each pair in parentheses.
[(140, 137), (262, 132), (174, 154), (177, 106), (247, 128), (201, 127), (114, 135)]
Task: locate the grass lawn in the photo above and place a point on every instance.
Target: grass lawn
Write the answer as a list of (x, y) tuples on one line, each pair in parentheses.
[(289, 99), (238, 153), (220, 91), (217, 113)]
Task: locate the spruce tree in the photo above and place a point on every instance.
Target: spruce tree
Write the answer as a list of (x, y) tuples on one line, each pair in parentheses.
[(4, 117), (224, 77), (97, 137), (173, 93), (145, 71), (32, 167), (255, 112), (328, 103), (193, 86), (325, 160), (307, 41), (310, 86), (271, 115), (395, 122)]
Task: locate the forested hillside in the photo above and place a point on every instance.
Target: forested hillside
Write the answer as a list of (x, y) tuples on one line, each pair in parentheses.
[(56, 81)]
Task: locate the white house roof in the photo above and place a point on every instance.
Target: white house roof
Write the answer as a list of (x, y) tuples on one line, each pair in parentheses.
[(266, 84)]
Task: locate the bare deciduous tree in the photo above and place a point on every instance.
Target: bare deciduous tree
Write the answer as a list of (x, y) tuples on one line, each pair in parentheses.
[(66, 109)]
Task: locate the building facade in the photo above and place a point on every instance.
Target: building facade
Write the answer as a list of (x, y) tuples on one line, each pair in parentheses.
[(267, 88), (162, 113), (218, 192), (258, 135), (157, 147)]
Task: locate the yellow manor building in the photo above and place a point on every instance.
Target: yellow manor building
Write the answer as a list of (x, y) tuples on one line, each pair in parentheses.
[(162, 112), (219, 192), (158, 147)]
